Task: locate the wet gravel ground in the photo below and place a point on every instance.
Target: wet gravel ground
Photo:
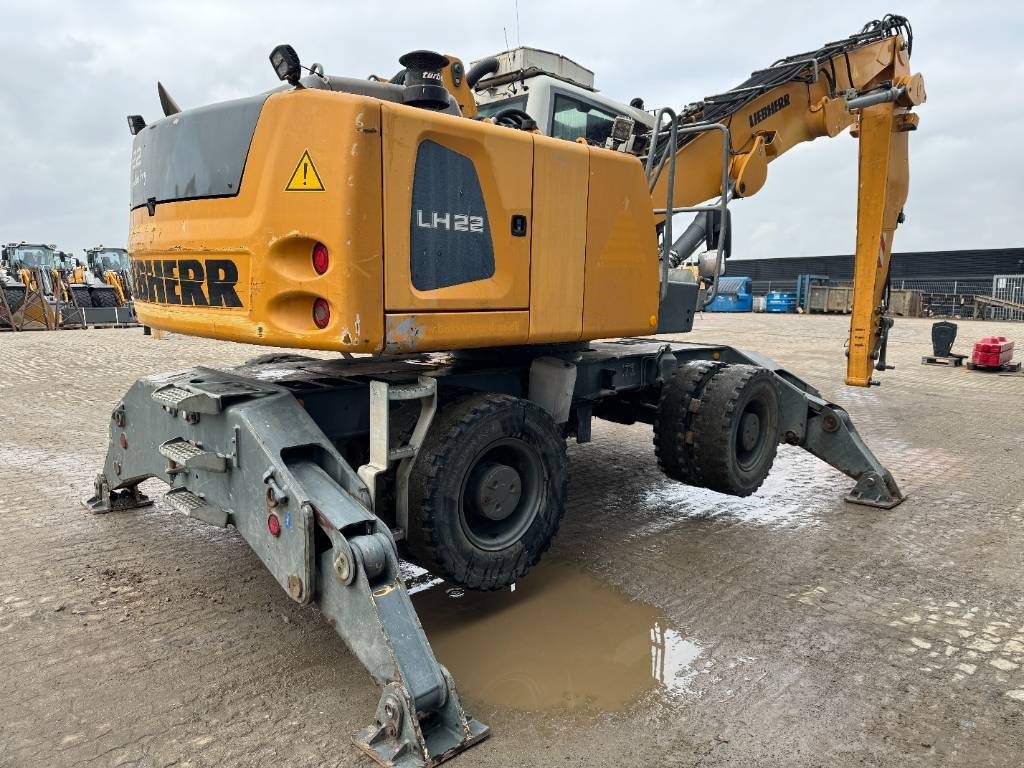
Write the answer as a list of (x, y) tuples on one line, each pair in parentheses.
[(802, 631)]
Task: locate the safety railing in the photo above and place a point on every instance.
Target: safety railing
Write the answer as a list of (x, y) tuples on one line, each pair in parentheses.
[(658, 160)]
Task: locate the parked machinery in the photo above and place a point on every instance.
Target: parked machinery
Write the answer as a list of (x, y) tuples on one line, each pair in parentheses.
[(108, 273), (39, 290), (475, 258)]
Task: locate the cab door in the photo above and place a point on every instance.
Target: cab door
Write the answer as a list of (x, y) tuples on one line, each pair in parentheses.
[(457, 209)]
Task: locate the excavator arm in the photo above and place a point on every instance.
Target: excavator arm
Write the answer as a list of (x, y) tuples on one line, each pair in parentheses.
[(862, 82)]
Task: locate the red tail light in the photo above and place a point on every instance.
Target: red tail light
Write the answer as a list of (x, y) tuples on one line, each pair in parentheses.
[(321, 313), (274, 524), (321, 259)]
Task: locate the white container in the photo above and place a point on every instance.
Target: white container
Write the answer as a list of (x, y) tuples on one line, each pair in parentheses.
[(760, 302), (525, 62)]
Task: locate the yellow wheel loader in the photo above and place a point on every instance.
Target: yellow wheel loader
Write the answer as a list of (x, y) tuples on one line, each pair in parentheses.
[(463, 237), (107, 272), (39, 288)]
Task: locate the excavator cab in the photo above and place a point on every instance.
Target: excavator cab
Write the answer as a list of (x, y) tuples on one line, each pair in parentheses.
[(554, 91)]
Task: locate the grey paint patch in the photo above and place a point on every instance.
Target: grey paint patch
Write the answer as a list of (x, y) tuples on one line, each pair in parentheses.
[(402, 335)]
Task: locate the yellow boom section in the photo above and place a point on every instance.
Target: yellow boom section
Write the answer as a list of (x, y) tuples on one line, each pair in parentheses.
[(864, 82)]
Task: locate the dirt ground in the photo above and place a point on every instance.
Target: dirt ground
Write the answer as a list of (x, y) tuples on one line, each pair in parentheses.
[(786, 629)]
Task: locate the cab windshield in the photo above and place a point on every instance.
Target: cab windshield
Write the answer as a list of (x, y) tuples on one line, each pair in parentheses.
[(110, 259), (494, 107), (36, 256)]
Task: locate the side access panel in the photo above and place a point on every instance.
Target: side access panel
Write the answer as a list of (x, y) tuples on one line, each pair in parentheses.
[(561, 180), (621, 285), (457, 209)]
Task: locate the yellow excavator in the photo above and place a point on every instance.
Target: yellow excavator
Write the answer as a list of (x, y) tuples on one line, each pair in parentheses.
[(464, 237)]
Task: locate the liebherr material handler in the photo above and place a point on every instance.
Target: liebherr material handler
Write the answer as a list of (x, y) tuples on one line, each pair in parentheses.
[(473, 250)]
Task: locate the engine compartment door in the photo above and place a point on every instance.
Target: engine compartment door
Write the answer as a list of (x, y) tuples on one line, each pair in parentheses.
[(457, 212)]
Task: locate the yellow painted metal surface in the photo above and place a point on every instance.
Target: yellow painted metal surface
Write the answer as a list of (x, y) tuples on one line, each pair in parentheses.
[(462, 92), (621, 287), (339, 169), (883, 184), (503, 159), (268, 234), (791, 114), (559, 247), (434, 331)]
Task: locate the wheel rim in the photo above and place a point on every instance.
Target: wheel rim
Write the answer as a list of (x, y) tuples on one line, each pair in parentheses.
[(751, 434), (501, 494)]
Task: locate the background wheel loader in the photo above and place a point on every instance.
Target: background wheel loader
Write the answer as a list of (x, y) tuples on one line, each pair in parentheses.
[(60, 290), (38, 288), (107, 273), (470, 234)]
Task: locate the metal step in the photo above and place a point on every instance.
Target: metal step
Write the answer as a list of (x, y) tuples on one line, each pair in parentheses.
[(171, 396), (187, 502), (417, 391), (189, 455), (179, 398)]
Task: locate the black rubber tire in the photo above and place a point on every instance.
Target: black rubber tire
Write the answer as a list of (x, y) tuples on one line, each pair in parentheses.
[(14, 295), (721, 459), (80, 293), (674, 419), (104, 296), (464, 432)]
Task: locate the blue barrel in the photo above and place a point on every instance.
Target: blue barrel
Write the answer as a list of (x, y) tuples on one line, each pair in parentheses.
[(777, 301)]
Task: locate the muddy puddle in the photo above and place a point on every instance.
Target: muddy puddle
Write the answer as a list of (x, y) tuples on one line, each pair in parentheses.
[(561, 639)]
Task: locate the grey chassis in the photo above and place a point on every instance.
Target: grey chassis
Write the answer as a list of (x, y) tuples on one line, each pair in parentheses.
[(258, 447)]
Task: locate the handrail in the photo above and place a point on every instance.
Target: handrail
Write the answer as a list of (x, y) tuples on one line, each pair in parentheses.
[(653, 167)]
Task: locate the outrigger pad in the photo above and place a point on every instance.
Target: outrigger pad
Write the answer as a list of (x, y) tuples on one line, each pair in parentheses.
[(398, 739), (104, 500), (875, 491)]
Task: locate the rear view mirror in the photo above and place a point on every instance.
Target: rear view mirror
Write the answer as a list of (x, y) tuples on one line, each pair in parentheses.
[(716, 226)]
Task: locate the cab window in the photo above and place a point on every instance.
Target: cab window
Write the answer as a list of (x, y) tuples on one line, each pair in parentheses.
[(574, 118), (492, 108)]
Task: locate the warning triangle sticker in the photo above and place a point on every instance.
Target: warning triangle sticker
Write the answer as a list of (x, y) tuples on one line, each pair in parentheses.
[(305, 178)]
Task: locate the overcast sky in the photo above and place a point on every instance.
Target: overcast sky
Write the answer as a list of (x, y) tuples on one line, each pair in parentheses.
[(72, 71)]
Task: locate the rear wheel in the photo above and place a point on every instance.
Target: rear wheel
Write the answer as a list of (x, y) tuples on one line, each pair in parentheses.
[(488, 490), (674, 420)]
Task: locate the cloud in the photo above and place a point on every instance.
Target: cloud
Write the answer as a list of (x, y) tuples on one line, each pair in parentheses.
[(73, 71)]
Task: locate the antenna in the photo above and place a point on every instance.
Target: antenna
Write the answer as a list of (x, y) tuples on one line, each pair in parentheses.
[(505, 30), (519, 38)]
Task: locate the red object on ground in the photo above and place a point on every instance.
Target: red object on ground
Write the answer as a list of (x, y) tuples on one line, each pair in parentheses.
[(992, 352)]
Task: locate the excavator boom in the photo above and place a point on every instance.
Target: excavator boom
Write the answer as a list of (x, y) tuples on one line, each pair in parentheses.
[(863, 82)]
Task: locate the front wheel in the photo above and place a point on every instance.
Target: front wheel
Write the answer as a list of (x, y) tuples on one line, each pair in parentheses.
[(487, 491), (736, 430), (717, 426)]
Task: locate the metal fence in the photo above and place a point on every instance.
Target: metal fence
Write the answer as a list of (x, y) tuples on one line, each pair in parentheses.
[(998, 298), (947, 298)]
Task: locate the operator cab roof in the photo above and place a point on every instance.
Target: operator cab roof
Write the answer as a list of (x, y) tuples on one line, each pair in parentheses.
[(532, 79)]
